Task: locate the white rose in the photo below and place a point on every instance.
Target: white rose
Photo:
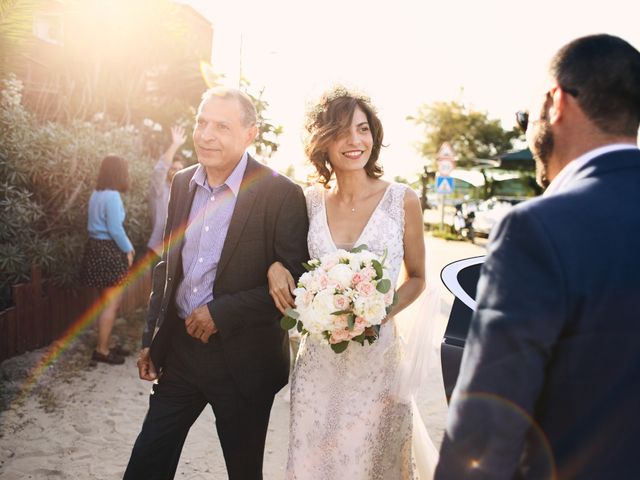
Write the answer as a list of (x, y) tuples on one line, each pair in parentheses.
[(303, 298), (304, 279), (372, 308), (341, 274), (317, 317)]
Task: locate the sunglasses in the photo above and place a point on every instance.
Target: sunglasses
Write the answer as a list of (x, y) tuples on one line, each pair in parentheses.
[(522, 116)]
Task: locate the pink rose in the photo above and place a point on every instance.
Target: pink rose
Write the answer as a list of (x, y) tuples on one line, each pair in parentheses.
[(368, 272), (339, 336), (341, 302), (361, 322), (357, 278), (323, 280), (359, 326), (365, 288)]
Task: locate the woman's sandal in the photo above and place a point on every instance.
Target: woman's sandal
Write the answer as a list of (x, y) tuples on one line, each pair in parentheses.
[(112, 358)]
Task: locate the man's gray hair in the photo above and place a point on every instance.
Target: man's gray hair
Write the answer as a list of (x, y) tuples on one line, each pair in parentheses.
[(249, 114)]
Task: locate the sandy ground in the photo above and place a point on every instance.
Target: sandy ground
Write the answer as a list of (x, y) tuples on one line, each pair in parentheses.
[(80, 421)]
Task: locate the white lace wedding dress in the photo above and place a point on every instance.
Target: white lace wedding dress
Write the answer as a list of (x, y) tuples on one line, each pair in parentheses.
[(345, 421)]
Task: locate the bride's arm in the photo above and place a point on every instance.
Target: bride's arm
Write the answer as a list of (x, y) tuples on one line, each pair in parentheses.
[(281, 286), (414, 261)]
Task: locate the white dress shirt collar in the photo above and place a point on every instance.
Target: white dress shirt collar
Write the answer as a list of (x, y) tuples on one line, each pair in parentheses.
[(233, 181), (565, 176)]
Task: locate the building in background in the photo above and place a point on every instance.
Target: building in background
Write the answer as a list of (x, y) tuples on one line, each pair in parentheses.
[(125, 58)]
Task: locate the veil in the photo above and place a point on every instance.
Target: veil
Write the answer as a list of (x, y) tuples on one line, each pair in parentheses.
[(416, 329)]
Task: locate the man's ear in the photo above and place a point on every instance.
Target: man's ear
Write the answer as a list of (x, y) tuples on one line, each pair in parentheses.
[(252, 133), (558, 105)]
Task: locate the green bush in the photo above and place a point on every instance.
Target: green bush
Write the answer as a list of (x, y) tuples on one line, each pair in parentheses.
[(47, 173)]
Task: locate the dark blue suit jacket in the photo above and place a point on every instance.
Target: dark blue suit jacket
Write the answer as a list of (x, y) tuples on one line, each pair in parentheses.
[(550, 377)]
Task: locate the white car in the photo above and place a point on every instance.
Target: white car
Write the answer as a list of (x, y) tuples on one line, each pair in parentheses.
[(491, 211)]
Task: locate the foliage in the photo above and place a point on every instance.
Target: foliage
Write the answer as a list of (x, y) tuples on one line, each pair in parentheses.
[(16, 24), (266, 143), (48, 171), (471, 133), (445, 234)]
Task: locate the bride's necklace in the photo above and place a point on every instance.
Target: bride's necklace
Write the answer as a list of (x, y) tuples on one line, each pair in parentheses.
[(354, 204)]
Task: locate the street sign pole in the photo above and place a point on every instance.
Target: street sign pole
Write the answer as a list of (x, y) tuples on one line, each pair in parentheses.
[(446, 161), (442, 211)]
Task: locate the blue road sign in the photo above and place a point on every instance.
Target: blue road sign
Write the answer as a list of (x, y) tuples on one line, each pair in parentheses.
[(444, 185)]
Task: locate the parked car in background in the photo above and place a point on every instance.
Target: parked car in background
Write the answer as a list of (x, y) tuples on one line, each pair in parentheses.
[(461, 279), (489, 212)]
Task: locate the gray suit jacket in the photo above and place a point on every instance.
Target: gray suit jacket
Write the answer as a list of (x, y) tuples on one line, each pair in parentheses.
[(269, 224), (550, 377)]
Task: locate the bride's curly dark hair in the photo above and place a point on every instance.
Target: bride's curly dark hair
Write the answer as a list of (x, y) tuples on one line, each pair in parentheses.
[(328, 118)]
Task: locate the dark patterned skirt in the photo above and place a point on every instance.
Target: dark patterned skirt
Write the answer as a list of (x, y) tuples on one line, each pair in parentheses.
[(104, 264)]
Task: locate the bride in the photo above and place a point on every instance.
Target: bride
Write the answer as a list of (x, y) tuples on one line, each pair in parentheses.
[(347, 420)]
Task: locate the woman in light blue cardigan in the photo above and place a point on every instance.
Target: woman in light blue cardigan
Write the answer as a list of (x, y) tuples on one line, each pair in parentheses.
[(109, 252)]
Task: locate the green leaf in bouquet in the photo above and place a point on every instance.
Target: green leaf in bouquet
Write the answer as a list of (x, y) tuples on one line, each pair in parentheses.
[(351, 321), (299, 327), (377, 266), (339, 347), (287, 323), (359, 248), (308, 267), (341, 312), (291, 313), (360, 338), (383, 285)]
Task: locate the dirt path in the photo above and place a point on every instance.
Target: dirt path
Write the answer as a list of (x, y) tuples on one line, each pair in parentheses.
[(80, 421)]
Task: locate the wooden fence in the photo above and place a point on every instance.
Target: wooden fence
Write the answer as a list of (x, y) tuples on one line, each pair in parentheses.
[(42, 312)]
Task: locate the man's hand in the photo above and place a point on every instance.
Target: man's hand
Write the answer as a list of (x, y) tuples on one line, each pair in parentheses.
[(146, 369), (200, 324)]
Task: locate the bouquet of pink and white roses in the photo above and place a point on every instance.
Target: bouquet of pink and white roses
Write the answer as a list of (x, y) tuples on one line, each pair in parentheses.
[(343, 296)]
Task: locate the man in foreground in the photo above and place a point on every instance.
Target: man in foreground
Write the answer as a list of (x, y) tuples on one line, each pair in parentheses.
[(550, 379)]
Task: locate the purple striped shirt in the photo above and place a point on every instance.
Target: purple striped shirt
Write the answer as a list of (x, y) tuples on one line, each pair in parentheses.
[(209, 220)]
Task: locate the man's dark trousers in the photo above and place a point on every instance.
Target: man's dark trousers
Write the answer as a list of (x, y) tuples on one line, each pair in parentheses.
[(179, 397)]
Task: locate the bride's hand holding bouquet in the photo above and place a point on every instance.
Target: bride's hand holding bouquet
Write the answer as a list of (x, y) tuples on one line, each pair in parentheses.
[(344, 296)]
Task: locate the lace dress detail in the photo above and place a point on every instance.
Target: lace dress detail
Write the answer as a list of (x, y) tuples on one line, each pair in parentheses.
[(345, 424)]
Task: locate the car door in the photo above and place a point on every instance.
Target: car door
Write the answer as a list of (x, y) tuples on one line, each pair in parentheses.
[(461, 279)]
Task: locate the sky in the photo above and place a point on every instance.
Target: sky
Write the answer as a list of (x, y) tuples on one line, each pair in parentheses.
[(491, 55)]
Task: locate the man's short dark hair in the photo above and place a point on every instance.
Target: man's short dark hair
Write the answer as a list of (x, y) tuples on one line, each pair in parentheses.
[(604, 72)]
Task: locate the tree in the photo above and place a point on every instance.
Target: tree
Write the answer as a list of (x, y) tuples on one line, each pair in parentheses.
[(16, 23), (471, 133), (266, 143)]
